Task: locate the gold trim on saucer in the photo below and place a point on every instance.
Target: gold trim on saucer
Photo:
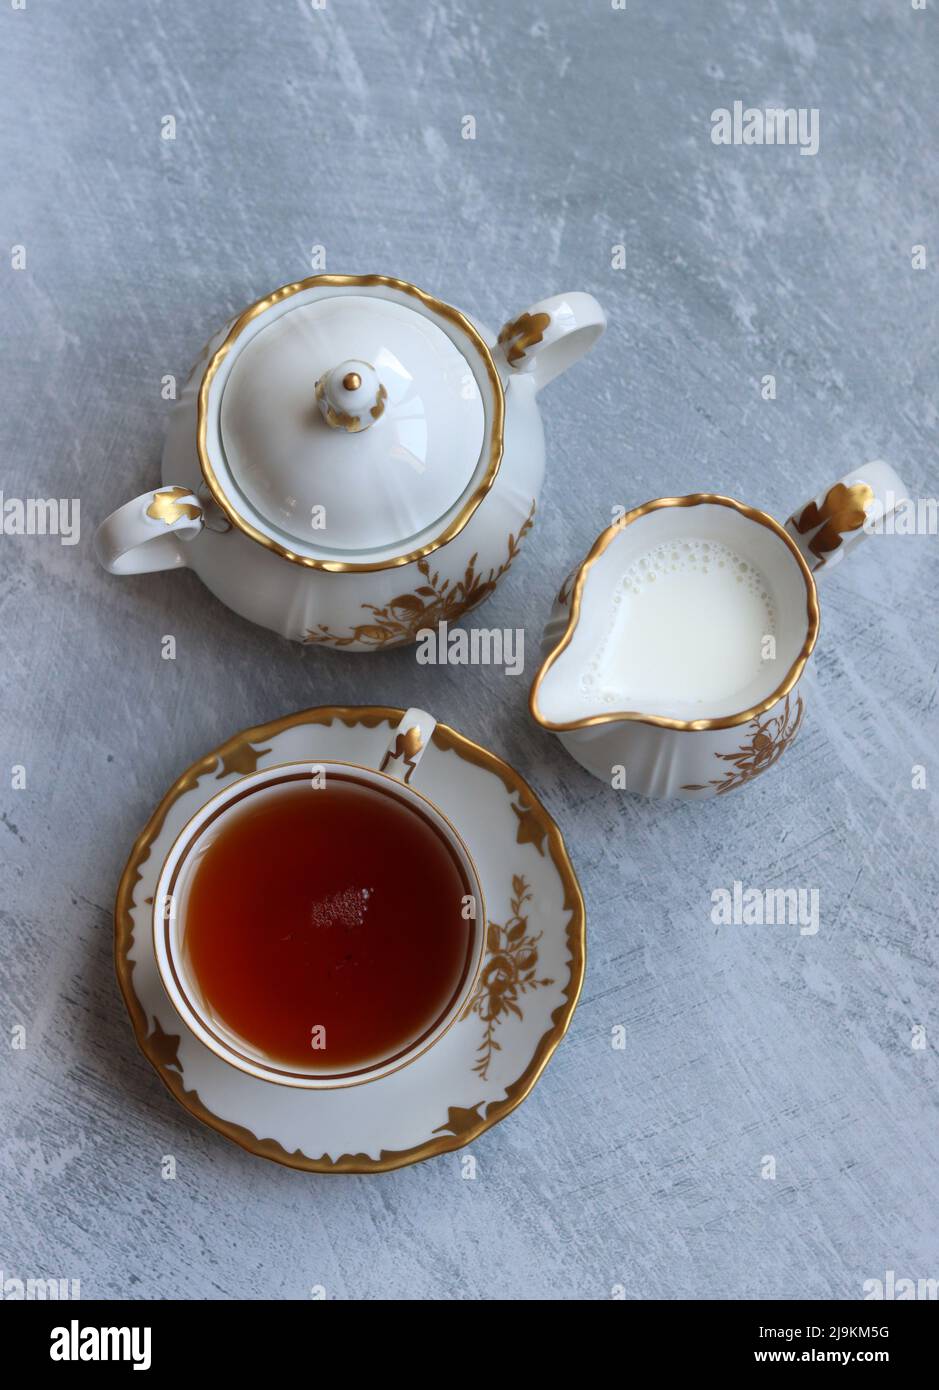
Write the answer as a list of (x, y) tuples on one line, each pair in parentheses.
[(728, 721), (460, 1127), (436, 306)]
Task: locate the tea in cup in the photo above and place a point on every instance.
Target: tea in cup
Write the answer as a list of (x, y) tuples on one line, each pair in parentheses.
[(321, 924)]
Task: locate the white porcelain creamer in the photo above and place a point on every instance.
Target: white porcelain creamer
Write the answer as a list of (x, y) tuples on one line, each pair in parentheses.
[(673, 656)]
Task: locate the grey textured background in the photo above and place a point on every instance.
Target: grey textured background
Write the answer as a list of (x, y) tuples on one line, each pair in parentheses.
[(342, 127)]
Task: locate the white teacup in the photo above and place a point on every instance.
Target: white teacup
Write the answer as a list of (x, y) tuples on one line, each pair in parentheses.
[(169, 911), (673, 654)]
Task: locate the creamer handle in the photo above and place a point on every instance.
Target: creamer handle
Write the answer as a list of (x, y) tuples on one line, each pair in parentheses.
[(834, 521)]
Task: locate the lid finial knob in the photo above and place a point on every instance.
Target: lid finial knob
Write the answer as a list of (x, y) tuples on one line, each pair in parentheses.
[(351, 397)]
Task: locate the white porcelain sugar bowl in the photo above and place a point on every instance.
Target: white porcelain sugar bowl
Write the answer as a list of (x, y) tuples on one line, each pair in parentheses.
[(352, 460)]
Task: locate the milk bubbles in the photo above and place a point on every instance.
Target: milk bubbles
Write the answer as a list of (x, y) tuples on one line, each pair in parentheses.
[(688, 625)]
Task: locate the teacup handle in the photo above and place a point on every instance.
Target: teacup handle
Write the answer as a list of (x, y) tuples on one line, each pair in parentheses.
[(551, 335), (144, 535), (834, 521), (407, 744)]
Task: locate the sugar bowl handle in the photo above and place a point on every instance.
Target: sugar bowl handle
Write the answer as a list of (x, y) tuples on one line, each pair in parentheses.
[(144, 535), (834, 521), (551, 335), (407, 744)]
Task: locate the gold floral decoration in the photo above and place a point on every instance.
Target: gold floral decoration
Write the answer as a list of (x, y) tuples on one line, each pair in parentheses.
[(406, 748), (336, 419), (843, 509), (508, 973), (341, 419), (522, 333), (435, 601), (167, 506), (769, 738)]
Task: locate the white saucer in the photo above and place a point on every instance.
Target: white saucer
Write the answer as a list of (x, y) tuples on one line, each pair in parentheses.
[(488, 1061)]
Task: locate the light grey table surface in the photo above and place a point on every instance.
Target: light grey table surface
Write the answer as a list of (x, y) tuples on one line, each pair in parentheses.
[(341, 127)]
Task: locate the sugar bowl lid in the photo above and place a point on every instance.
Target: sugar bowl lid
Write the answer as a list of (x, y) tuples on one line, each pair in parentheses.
[(350, 422)]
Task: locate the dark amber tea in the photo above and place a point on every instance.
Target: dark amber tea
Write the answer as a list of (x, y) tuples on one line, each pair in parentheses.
[(327, 926)]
